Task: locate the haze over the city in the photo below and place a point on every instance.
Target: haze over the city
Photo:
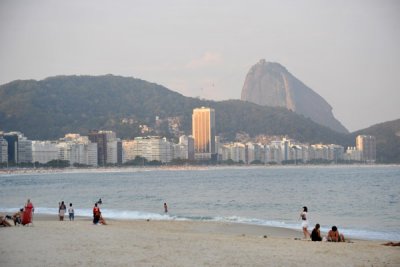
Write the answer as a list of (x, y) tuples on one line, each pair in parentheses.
[(346, 51)]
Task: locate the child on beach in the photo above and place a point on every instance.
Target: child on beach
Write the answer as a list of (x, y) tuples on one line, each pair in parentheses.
[(71, 212)]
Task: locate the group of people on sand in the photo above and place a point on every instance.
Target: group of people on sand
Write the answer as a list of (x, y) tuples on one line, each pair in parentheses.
[(62, 209), (22, 217), (332, 236), (97, 217)]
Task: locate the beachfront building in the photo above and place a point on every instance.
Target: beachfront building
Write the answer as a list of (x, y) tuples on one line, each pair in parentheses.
[(203, 132), (3, 150), (150, 148), (367, 145), (19, 148), (353, 154), (233, 151), (107, 147), (77, 150), (128, 150), (44, 151), (185, 148), (254, 153)]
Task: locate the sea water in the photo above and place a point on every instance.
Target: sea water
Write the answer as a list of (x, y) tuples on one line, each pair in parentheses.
[(362, 201)]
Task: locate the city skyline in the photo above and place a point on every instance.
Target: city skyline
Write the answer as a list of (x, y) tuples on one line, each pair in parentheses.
[(346, 51)]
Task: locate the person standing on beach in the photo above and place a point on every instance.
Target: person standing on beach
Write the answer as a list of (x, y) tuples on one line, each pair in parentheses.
[(304, 222), (96, 214), (165, 208), (71, 212), (28, 212), (61, 211)]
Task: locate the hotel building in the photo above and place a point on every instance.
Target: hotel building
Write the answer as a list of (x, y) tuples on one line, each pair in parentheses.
[(367, 145), (203, 127)]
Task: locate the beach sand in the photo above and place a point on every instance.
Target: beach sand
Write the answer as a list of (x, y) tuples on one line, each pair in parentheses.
[(50, 242)]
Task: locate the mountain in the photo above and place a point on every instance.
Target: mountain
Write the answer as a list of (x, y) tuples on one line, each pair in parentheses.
[(50, 108), (387, 136), (270, 84)]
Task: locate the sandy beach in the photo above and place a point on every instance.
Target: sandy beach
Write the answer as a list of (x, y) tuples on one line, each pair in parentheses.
[(50, 242)]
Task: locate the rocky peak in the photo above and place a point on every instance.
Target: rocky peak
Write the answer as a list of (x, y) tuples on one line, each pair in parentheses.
[(270, 84)]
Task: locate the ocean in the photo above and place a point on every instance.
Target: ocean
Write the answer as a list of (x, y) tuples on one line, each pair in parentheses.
[(362, 201)]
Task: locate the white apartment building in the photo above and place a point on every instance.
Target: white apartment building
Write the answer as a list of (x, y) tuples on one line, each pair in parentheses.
[(273, 153), (352, 153), (77, 149), (185, 148), (3, 150), (151, 148), (233, 151), (128, 150), (254, 152), (44, 151)]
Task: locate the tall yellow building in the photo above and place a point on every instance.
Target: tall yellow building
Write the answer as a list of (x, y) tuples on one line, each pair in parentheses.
[(203, 127), (367, 145)]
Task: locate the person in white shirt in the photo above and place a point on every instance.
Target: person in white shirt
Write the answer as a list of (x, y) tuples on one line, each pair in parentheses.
[(71, 212)]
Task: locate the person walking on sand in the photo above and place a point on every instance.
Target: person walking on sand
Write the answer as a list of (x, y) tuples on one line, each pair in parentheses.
[(61, 211), (304, 222), (71, 212), (165, 208)]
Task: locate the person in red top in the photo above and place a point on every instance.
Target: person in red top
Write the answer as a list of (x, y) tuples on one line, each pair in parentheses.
[(27, 214), (96, 214)]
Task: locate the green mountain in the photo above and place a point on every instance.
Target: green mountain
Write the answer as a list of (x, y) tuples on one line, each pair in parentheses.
[(52, 107)]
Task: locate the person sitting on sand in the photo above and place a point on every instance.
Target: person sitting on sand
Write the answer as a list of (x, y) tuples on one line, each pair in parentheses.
[(316, 234), (17, 217), (4, 222), (334, 235), (101, 220), (392, 244)]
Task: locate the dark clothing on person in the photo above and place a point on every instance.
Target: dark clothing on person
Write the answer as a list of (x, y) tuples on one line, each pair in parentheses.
[(315, 235)]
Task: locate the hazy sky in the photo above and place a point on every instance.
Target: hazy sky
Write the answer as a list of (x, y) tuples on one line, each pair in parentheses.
[(347, 51)]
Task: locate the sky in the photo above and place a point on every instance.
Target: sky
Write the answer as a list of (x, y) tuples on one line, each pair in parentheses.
[(347, 51)]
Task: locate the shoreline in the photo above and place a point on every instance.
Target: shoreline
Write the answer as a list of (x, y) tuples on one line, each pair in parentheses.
[(22, 170), (50, 242)]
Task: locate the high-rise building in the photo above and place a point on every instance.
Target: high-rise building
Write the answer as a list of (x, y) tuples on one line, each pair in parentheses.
[(367, 145), (19, 147), (12, 147), (203, 127), (107, 146), (3, 150)]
